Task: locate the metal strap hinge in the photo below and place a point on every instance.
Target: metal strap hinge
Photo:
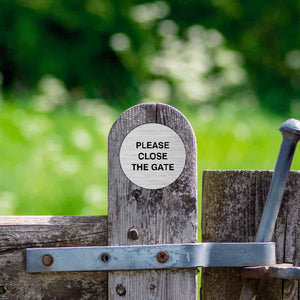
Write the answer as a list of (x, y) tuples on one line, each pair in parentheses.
[(140, 257)]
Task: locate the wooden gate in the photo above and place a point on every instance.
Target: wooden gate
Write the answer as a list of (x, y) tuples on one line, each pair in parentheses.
[(136, 215), (232, 204), (152, 199)]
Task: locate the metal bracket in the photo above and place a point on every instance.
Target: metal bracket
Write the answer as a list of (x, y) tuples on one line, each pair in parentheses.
[(168, 256), (283, 271)]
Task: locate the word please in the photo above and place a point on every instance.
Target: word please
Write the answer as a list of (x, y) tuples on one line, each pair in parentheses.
[(152, 145)]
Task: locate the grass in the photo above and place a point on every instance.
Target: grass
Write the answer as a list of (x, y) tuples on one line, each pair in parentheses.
[(55, 161)]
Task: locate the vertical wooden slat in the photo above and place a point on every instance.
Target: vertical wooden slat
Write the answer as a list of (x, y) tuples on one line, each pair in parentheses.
[(232, 206), (165, 215)]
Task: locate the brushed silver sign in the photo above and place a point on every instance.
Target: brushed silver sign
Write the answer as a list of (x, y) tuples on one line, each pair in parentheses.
[(152, 156)]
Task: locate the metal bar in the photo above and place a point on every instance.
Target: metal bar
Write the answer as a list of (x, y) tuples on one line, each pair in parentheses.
[(290, 130), (277, 187), (284, 271), (149, 257)]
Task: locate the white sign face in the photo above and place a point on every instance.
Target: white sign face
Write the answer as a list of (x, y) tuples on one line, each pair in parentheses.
[(152, 156)]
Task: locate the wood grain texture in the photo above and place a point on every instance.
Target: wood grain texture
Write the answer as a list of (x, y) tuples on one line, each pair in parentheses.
[(19, 233), (232, 205), (166, 215)]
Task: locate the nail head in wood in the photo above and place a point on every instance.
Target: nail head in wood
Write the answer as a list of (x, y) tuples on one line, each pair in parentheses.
[(120, 289), (133, 234)]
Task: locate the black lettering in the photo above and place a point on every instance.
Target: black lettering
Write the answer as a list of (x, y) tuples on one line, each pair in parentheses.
[(162, 167), (152, 145), (140, 167), (152, 155)]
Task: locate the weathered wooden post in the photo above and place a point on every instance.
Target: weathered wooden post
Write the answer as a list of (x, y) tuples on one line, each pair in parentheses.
[(232, 206), (152, 199), (152, 196)]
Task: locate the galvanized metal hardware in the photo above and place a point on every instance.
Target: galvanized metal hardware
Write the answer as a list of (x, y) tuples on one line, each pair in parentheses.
[(120, 289), (162, 256), (290, 130), (133, 234), (110, 258), (47, 260), (283, 271)]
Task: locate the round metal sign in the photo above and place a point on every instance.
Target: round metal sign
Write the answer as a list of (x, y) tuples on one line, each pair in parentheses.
[(152, 156)]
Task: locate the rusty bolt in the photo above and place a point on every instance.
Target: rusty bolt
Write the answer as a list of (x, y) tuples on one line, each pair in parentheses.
[(162, 256), (120, 289), (133, 234), (136, 194), (105, 257), (47, 260)]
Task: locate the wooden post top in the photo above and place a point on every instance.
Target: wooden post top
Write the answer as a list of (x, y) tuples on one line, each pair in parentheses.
[(152, 189)]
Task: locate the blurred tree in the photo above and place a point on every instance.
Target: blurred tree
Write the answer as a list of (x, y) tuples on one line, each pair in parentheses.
[(104, 48)]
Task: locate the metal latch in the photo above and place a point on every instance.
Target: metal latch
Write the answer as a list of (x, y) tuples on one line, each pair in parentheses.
[(168, 256), (257, 254), (284, 271)]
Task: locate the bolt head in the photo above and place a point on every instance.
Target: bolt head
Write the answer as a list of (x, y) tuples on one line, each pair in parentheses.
[(120, 289), (292, 127), (136, 194), (162, 256), (47, 260), (105, 257), (133, 234)]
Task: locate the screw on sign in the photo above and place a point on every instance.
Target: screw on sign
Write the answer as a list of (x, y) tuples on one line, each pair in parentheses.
[(290, 130)]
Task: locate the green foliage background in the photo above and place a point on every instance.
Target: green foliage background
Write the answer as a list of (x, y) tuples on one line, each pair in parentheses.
[(69, 68), (71, 41)]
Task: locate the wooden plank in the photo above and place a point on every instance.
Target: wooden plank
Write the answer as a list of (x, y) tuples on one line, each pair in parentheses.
[(18, 233), (232, 205), (165, 215)]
